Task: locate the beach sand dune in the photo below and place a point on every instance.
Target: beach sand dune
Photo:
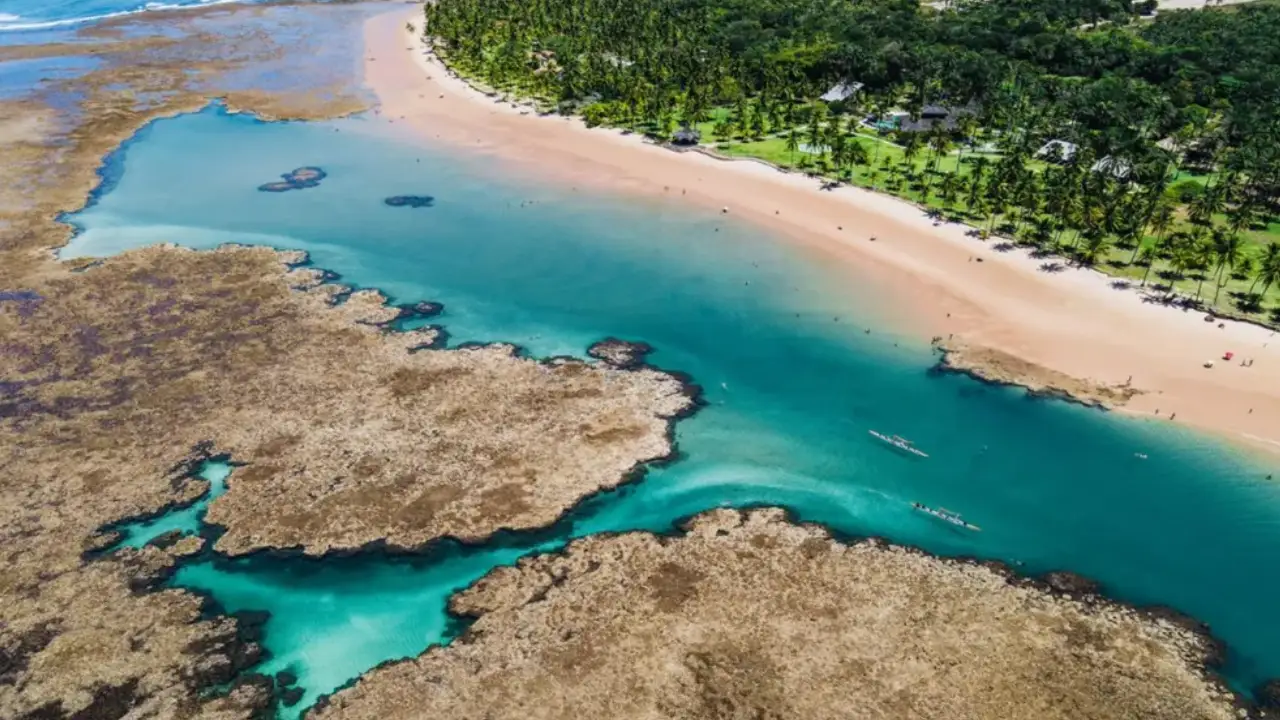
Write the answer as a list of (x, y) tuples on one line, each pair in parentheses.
[(935, 279)]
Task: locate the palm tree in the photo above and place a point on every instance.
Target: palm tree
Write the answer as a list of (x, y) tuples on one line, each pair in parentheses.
[(1268, 271), (910, 149), (1206, 205), (1095, 246), (1228, 251), (1202, 255), (816, 113), (966, 126), (949, 190), (1147, 254), (1159, 223), (856, 154), (974, 192), (1182, 259), (793, 142), (940, 143), (839, 143)]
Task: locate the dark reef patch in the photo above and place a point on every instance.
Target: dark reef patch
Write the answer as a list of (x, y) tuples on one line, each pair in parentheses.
[(297, 179), (26, 300), (620, 353), (413, 201)]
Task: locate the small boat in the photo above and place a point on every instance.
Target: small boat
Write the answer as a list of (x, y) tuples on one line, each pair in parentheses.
[(946, 516), (899, 442)]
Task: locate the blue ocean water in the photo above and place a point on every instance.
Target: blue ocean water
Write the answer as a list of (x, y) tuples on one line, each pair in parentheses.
[(28, 15), (777, 337)]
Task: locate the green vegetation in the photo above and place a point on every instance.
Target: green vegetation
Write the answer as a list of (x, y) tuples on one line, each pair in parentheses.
[(1171, 174)]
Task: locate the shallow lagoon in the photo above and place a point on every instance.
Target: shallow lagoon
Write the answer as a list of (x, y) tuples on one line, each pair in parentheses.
[(777, 339)]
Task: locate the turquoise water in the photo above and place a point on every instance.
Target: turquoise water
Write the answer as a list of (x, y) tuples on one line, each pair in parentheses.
[(34, 15), (186, 520), (778, 339)]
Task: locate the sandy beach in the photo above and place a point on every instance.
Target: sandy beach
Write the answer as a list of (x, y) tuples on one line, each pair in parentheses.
[(944, 282)]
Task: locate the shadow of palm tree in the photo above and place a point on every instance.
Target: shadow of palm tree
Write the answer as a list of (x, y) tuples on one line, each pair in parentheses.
[(1052, 267), (1003, 246)]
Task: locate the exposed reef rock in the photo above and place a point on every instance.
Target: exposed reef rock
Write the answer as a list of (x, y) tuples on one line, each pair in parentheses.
[(413, 201), (297, 179), (750, 616), (1268, 695), (620, 353), (424, 309), (348, 438), (1001, 368), (110, 633), (189, 545)]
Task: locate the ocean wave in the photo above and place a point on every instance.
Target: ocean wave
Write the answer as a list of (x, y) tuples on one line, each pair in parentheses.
[(10, 23)]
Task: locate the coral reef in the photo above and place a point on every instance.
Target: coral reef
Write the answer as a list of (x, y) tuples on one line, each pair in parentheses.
[(413, 201), (750, 616), (296, 179)]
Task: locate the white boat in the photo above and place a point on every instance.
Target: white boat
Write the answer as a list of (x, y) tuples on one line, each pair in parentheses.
[(899, 442), (946, 516)]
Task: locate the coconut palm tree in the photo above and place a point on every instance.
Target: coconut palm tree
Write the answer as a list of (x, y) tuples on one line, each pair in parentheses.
[(1228, 252), (1202, 255), (1181, 259), (1159, 223), (793, 142), (1268, 272), (856, 154), (949, 189), (910, 149), (1147, 254), (1095, 246)]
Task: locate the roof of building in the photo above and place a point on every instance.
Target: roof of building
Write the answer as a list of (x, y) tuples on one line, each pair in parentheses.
[(1057, 150), (841, 91)]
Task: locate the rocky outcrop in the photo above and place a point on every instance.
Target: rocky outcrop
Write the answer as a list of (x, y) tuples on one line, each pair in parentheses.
[(1001, 368), (620, 353)]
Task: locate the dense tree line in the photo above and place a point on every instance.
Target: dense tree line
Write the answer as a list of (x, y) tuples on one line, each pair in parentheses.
[(1187, 91)]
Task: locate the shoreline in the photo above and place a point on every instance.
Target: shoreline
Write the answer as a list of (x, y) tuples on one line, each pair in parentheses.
[(937, 280)]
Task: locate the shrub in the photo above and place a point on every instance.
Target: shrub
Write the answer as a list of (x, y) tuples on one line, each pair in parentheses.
[(1184, 191)]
